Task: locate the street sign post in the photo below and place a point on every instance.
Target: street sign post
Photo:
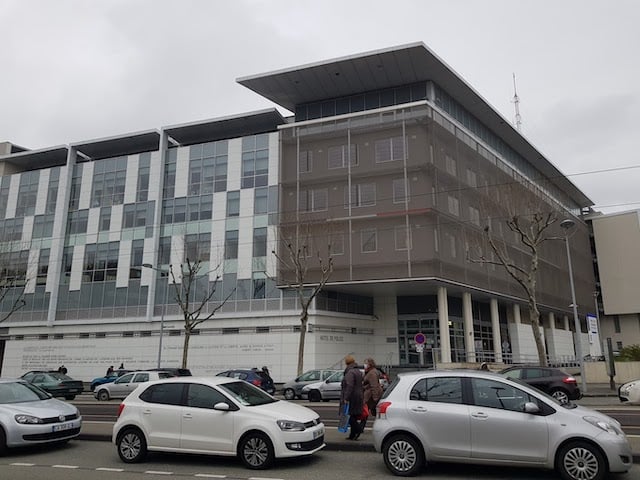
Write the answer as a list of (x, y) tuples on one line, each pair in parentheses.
[(420, 340)]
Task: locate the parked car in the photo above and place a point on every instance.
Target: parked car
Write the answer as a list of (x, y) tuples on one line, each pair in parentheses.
[(293, 388), (107, 378), (553, 381), (127, 383), (331, 388), (55, 383), (218, 416), (481, 417), (176, 372), (30, 416), (630, 392), (254, 376)]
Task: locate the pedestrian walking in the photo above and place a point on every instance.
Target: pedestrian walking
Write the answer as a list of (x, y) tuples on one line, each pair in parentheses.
[(352, 395), (372, 388)]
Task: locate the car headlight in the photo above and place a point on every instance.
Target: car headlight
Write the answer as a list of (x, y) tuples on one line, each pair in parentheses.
[(627, 387), (609, 427), (28, 419), (291, 426)]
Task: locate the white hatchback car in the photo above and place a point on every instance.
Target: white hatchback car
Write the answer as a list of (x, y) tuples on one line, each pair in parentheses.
[(630, 392), (484, 418), (217, 416)]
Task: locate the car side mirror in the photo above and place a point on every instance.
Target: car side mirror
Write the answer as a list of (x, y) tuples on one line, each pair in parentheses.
[(531, 407), (222, 406)]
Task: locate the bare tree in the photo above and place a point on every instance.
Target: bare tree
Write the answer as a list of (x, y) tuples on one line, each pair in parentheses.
[(193, 293), (13, 280), (294, 260)]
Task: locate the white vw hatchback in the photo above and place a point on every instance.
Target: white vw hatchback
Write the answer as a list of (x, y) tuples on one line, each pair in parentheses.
[(484, 418), (217, 416)]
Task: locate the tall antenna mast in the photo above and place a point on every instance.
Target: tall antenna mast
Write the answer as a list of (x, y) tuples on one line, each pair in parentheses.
[(516, 103)]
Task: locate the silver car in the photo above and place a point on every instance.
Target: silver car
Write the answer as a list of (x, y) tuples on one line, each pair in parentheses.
[(484, 418), (30, 416), (126, 384), (293, 388), (330, 389)]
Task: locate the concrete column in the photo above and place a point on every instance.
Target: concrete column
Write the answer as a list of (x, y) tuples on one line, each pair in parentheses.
[(495, 329), (443, 322), (467, 318), (552, 321), (565, 320), (516, 314)]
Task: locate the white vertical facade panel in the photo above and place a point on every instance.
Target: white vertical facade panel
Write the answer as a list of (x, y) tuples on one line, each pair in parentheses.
[(76, 268), (131, 179), (43, 191), (124, 262), (245, 242), (59, 227), (234, 164), (93, 223), (272, 243), (156, 171), (177, 254), (274, 158), (12, 200), (27, 230), (116, 223), (148, 256), (85, 187), (219, 205), (182, 172), (32, 270)]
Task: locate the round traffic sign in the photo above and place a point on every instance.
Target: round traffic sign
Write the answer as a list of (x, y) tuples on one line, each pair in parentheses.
[(420, 338)]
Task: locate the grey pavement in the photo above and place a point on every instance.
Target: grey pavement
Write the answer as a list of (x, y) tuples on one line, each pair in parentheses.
[(598, 396)]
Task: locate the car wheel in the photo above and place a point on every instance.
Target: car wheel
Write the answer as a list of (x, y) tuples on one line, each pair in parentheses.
[(255, 451), (560, 395), (3, 442), (403, 455), (581, 461), (289, 394), (103, 395), (69, 397), (314, 396), (132, 446)]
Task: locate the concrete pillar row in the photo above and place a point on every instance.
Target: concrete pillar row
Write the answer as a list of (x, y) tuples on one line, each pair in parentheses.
[(467, 319), (495, 329), (443, 322)]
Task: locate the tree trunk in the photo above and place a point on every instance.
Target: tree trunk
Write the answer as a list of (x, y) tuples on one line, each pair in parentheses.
[(304, 317), (185, 347), (534, 318)]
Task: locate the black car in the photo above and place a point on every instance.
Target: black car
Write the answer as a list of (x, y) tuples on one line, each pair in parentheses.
[(553, 381), (57, 384), (176, 372), (259, 378)]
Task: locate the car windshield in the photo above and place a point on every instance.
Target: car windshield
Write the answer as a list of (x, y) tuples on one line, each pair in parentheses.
[(18, 392), (246, 394), (59, 376), (336, 377)]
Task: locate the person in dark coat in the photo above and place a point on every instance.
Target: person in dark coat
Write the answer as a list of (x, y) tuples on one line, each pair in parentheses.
[(352, 394), (372, 388)]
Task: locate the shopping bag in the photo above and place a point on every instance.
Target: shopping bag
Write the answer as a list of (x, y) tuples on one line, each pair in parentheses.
[(365, 412), (343, 419)]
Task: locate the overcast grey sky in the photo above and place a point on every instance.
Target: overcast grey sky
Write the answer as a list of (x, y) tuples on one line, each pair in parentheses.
[(73, 70)]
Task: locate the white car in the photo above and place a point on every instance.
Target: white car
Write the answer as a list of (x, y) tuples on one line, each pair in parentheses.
[(630, 392), (216, 416), (484, 418), (127, 383)]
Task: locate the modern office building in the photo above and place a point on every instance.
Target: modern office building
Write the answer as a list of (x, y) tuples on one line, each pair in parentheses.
[(390, 161)]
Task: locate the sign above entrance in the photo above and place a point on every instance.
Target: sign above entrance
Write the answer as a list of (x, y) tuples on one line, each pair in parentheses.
[(420, 338)]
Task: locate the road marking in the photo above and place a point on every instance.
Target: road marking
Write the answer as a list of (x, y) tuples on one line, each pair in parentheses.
[(158, 472), (18, 464), (65, 466), (106, 469), (209, 475), (264, 478)]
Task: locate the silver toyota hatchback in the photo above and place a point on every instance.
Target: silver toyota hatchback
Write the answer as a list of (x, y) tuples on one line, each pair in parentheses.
[(483, 418)]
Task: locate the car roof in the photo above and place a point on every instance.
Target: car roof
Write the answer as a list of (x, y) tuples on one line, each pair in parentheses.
[(210, 380), (451, 373)]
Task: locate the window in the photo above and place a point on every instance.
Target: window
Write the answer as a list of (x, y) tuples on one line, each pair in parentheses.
[(74, 190), (474, 216), (259, 285), (100, 262), (163, 393), (233, 203), (305, 161), (451, 165), (142, 190), (208, 168), (197, 247), (260, 242), (104, 223), (109, 177), (389, 149), (43, 267), (363, 195), (77, 221), (494, 394), (403, 237), (43, 226), (454, 205), (203, 396), (138, 214), (52, 193), (399, 190), (369, 240), (438, 389), (315, 200), (137, 251), (472, 179), (337, 244), (27, 193), (169, 185), (261, 200), (164, 251), (616, 323), (231, 244), (255, 161), (338, 156)]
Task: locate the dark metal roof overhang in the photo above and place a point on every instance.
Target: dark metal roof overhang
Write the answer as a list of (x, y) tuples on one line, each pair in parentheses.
[(222, 128), (392, 67), (110, 147), (37, 159)]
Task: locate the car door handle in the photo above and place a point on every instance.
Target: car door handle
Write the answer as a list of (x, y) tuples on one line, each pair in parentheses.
[(146, 411), (187, 416), (419, 409), (479, 415)]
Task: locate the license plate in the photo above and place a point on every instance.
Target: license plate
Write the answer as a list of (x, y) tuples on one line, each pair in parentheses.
[(63, 426), (318, 433)]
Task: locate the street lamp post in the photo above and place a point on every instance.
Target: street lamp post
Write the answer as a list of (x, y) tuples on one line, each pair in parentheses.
[(166, 297), (567, 225)]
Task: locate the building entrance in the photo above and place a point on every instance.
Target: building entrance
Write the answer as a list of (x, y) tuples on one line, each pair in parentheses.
[(410, 325)]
